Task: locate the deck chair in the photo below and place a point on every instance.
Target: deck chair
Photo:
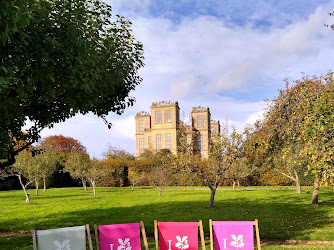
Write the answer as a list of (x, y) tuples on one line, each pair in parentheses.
[(178, 235), (73, 238), (120, 236), (234, 235)]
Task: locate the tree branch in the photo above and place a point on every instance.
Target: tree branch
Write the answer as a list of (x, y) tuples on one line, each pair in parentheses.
[(286, 175)]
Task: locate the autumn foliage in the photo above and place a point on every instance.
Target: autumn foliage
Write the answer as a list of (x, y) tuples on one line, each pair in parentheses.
[(297, 132), (62, 144)]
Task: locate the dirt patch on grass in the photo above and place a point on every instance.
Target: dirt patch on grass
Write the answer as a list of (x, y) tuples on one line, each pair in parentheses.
[(298, 243), (14, 233)]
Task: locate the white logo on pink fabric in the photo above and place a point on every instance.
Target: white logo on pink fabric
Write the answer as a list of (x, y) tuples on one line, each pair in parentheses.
[(120, 237), (238, 241), (182, 243), (231, 235), (124, 245)]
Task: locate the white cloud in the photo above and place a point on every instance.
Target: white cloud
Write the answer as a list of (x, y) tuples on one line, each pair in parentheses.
[(124, 128), (209, 62), (183, 86), (222, 57), (252, 118)]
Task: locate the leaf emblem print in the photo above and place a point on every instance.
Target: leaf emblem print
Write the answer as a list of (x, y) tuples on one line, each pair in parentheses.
[(124, 245), (238, 241), (182, 243), (65, 245)]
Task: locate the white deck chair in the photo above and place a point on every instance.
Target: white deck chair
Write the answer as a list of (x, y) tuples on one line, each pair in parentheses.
[(73, 238)]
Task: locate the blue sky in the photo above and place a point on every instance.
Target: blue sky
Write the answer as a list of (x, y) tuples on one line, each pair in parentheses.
[(228, 55)]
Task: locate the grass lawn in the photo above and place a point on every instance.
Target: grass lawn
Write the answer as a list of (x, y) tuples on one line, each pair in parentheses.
[(282, 214)]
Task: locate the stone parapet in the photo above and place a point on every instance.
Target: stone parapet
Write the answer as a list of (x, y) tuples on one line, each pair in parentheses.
[(200, 109), (142, 113), (164, 104)]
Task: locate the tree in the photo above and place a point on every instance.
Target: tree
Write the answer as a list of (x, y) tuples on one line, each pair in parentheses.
[(239, 170), (285, 164), (95, 172), (161, 176), (41, 165), (267, 150), (62, 144), (59, 59), (77, 164), (225, 149), (47, 162), (162, 169), (24, 167), (319, 132), (138, 171), (185, 153), (80, 166), (117, 162), (297, 130)]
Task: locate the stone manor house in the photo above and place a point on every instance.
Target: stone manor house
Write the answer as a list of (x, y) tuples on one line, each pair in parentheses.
[(159, 129)]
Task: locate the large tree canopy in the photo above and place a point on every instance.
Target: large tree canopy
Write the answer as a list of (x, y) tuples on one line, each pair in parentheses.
[(297, 131), (60, 58), (62, 144)]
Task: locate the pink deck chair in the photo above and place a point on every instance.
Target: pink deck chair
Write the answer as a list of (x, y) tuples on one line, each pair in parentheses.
[(234, 235), (178, 235), (120, 236)]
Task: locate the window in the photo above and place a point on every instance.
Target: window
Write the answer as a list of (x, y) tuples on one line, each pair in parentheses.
[(200, 141), (159, 141), (141, 145), (141, 125), (150, 142), (200, 121), (177, 118), (167, 116), (213, 131), (168, 140), (157, 116)]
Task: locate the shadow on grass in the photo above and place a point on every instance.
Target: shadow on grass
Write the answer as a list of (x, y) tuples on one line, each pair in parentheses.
[(276, 220), (16, 242)]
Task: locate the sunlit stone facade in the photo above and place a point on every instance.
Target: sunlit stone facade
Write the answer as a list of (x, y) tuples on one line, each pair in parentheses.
[(159, 129)]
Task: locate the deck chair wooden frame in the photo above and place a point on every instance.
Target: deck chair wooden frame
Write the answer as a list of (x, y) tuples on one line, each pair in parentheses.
[(257, 233), (156, 234), (142, 229), (90, 244)]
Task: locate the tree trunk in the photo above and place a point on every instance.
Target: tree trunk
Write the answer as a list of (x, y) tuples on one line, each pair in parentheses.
[(27, 195), (24, 189), (184, 181), (44, 184), (36, 185), (233, 185), (315, 189), (93, 184), (212, 197), (238, 183), (126, 181), (132, 187), (84, 184), (298, 185), (160, 191)]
